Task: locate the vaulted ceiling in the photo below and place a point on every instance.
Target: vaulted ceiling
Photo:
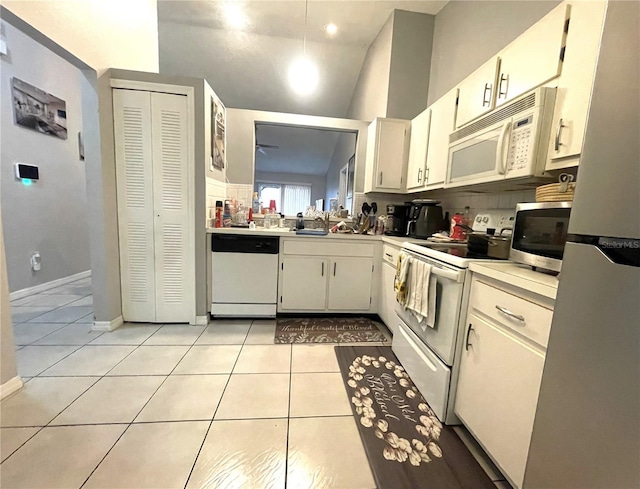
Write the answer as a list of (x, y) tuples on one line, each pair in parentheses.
[(248, 68)]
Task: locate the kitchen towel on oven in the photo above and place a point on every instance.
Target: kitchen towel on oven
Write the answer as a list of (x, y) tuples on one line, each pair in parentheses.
[(401, 282), (419, 281)]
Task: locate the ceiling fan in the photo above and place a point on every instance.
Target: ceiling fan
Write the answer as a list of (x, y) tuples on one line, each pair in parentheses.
[(261, 147)]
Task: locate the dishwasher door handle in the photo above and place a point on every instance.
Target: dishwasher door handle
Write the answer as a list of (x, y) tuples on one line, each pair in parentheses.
[(323, 269)]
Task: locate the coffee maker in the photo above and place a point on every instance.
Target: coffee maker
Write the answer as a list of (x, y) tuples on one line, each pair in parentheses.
[(397, 216), (425, 218)]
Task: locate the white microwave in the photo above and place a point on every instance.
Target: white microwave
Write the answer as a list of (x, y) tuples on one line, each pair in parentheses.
[(510, 142)]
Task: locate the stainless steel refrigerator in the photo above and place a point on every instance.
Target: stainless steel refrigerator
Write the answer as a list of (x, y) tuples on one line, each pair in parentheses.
[(587, 427)]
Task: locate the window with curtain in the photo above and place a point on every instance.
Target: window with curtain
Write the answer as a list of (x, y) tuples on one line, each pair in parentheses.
[(290, 198)]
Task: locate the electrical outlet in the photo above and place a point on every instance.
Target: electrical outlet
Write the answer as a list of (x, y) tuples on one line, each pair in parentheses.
[(36, 261)]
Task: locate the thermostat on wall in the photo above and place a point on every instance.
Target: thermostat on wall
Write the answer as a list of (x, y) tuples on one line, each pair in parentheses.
[(26, 172)]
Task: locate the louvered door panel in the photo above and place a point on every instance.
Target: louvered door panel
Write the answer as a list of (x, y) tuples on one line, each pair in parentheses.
[(174, 249), (132, 131)]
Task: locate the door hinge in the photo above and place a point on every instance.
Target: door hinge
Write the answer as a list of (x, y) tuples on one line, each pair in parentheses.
[(372, 268), (566, 25), (281, 266), (370, 300), (562, 50), (280, 299)]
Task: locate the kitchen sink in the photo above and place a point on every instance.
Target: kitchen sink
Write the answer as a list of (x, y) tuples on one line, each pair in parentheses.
[(312, 232)]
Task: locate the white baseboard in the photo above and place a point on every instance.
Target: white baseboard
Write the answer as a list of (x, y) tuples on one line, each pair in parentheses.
[(19, 294), (107, 325), (202, 320), (11, 386)]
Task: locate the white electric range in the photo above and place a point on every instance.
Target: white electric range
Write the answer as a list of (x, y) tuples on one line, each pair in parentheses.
[(430, 355)]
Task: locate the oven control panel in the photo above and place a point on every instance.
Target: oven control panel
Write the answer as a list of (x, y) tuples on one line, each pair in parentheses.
[(496, 219)]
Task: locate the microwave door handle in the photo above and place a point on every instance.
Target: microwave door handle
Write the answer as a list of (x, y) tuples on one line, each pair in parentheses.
[(500, 157)]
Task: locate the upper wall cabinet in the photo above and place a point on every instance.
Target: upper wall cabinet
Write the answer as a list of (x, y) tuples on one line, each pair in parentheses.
[(534, 58), (443, 116), (418, 147), (477, 92), (387, 151), (575, 84)]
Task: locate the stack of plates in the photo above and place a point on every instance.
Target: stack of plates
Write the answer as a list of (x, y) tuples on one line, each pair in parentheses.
[(551, 193)]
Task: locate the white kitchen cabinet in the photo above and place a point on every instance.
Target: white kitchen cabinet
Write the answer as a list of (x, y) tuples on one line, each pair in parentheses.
[(534, 57), (575, 83), (327, 275), (156, 240), (498, 393), (443, 116), (501, 366), (387, 152), (303, 283), (418, 147), (477, 91), (387, 303), (350, 281)]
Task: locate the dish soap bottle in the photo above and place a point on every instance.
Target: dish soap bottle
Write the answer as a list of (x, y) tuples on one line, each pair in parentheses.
[(255, 204)]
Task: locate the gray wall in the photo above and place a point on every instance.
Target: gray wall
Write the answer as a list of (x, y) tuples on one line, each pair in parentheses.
[(410, 64), (468, 33), (345, 149), (49, 216), (369, 99), (317, 182), (7, 347)]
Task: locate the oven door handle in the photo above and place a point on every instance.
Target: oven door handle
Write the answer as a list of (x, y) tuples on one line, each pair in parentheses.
[(417, 349), (449, 275)]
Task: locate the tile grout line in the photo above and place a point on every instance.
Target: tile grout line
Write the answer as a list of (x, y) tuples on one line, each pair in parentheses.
[(145, 404), (195, 460), (286, 447)]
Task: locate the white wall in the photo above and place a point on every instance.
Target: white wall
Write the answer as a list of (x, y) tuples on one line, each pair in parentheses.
[(49, 216), (103, 34), (7, 348), (468, 33)]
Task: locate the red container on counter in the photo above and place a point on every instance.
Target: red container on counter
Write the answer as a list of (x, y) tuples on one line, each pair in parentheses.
[(457, 231)]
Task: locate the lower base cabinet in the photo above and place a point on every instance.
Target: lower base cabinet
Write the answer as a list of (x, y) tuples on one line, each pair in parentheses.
[(387, 306), (312, 283), (497, 394)]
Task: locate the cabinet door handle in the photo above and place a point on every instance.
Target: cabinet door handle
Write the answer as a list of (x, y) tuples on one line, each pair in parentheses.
[(334, 268), (503, 78), (557, 143), (467, 344), (380, 179), (389, 255), (506, 311), (487, 88), (419, 174), (323, 269)]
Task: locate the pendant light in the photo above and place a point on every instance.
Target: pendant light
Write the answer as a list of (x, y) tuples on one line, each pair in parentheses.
[(303, 73)]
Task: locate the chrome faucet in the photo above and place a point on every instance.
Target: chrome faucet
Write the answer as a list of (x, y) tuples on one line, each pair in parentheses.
[(324, 220)]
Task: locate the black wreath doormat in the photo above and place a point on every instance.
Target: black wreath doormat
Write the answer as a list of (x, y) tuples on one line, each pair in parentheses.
[(406, 444)]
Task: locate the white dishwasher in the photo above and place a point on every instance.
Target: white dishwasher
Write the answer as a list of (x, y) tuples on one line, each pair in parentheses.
[(244, 275)]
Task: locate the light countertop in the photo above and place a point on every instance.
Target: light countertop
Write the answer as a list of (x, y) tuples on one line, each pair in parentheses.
[(519, 276)]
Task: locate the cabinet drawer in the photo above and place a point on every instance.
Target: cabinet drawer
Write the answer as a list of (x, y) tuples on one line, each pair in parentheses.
[(525, 317), (390, 254), (324, 247)]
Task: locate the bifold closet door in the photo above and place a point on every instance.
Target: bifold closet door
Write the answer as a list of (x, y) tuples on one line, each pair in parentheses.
[(174, 251), (156, 252), (134, 177)]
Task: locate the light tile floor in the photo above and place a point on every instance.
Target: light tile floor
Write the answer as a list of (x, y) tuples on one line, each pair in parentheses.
[(171, 405)]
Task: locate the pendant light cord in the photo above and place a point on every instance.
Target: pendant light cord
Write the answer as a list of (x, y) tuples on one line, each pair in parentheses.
[(304, 42)]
